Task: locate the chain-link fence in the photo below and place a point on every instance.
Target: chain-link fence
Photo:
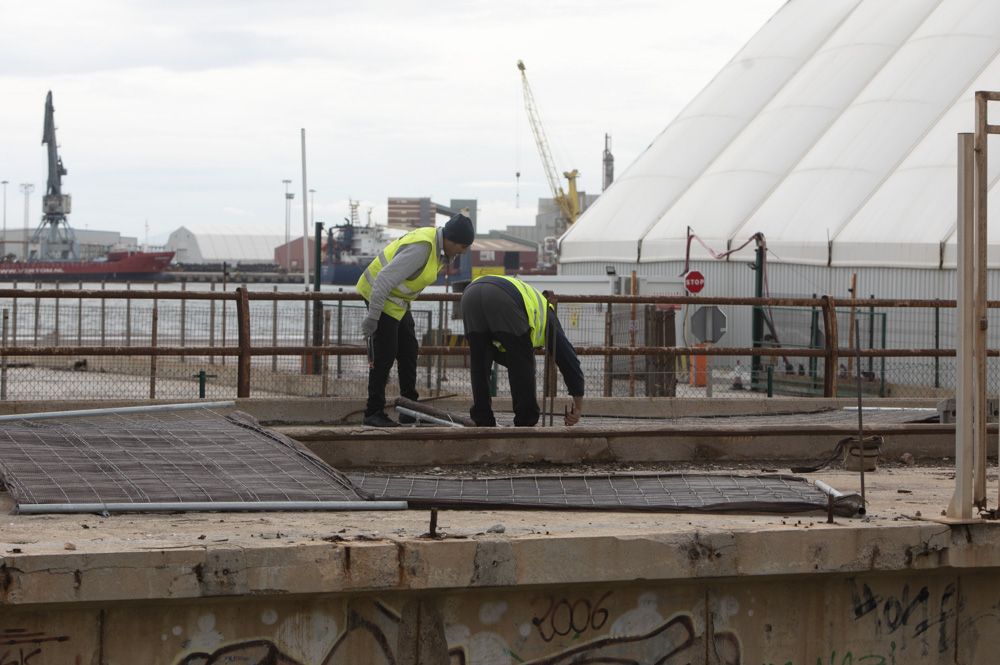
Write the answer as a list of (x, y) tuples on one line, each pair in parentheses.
[(126, 343)]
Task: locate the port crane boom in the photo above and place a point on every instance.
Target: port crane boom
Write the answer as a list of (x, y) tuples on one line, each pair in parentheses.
[(54, 235), (569, 204)]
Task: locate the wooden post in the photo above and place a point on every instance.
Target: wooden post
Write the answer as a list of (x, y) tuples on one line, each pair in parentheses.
[(243, 329), (152, 357)]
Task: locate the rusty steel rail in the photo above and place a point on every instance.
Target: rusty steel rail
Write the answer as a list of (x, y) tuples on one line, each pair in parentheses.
[(244, 349)]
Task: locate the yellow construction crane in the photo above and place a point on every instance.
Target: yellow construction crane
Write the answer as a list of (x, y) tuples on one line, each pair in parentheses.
[(569, 204)]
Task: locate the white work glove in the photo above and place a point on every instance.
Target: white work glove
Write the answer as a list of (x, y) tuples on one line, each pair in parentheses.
[(369, 326)]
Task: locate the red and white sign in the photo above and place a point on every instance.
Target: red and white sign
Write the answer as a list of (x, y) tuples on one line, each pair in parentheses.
[(694, 281)]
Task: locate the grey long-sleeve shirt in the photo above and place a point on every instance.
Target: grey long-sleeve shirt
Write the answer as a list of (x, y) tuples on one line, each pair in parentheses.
[(407, 263)]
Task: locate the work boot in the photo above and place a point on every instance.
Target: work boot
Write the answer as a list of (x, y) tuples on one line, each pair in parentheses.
[(380, 420), (406, 419)]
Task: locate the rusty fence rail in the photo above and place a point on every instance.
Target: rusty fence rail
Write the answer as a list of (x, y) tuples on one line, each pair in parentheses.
[(243, 332)]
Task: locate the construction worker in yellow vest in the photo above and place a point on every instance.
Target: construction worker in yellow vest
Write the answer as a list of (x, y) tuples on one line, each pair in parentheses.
[(505, 321), (392, 280)]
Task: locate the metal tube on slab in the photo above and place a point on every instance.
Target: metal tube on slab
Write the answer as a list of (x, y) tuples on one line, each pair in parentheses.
[(119, 410), (228, 506)]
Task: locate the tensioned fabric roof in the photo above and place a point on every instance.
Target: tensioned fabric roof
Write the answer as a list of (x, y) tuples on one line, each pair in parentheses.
[(832, 132)]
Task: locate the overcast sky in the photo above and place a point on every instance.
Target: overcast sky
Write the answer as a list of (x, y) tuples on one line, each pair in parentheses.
[(186, 112)]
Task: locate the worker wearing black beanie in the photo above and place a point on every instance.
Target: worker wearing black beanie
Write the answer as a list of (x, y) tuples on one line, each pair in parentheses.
[(460, 229), (391, 281)]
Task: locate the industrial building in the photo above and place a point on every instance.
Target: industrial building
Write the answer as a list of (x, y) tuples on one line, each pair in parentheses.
[(90, 244)]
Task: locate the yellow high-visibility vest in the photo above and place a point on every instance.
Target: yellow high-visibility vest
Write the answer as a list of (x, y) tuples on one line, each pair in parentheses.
[(537, 308), (398, 301)]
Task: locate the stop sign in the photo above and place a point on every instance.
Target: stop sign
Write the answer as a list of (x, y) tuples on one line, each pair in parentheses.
[(694, 281)]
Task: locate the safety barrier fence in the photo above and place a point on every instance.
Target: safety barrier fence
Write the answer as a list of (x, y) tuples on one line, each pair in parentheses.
[(243, 342)]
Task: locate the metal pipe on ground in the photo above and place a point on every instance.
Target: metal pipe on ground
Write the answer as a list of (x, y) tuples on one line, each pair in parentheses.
[(152, 408), (226, 506)]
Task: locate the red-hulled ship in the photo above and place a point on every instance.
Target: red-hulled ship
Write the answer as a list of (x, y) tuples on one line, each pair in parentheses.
[(121, 265), (56, 257)]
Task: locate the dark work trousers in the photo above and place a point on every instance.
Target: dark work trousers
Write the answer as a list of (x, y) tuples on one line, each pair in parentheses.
[(490, 314), (393, 341)]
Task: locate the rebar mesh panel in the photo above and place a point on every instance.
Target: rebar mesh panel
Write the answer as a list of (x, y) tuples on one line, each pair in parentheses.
[(180, 456), (667, 492)]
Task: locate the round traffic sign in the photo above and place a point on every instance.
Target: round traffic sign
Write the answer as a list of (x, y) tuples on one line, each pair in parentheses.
[(694, 281)]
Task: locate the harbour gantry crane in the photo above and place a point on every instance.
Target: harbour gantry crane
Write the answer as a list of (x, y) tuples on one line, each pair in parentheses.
[(569, 203)]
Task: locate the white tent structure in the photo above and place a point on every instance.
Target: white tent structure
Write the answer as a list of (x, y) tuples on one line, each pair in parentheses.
[(192, 247), (833, 133)]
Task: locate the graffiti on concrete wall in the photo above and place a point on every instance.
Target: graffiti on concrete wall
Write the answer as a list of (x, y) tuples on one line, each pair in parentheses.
[(21, 646), (548, 630), (910, 613)]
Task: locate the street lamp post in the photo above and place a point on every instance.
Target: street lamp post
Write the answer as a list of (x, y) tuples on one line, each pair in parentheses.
[(288, 223), (27, 188), (312, 207), (3, 241)]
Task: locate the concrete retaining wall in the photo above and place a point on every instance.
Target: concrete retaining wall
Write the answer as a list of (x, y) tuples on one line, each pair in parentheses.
[(878, 619)]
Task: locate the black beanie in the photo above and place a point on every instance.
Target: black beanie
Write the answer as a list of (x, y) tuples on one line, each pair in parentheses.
[(460, 229)]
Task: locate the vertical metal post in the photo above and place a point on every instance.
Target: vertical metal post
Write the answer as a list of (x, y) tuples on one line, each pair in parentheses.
[(317, 325), (813, 341), (871, 337), (830, 333), (128, 316), (224, 311), (609, 360), (757, 317), (152, 357), (104, 318), (633, 290), (937, 345), (274, 331), (55, 331), (37, 305), (962, 500), (770, 380), (430, 327), (243, 334), (305, 331), (882, 388), (183, 314), (211, 323), (550, 355), (13, 317), (3, 358), (440, 342), (340, 337), (79, 317), (981, 183), (326, 356)]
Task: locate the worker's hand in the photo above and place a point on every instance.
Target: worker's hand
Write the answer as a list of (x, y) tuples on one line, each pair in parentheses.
[(369, 326), (572, 416)]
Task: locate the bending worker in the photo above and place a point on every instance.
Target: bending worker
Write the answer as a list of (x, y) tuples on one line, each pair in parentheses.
[(392, 280), (505, 321)]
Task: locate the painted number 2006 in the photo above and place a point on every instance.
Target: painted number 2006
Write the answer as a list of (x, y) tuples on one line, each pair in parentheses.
[(563, 617)]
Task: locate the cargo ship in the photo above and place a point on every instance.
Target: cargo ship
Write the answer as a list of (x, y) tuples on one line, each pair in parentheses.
[(117, 265)]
